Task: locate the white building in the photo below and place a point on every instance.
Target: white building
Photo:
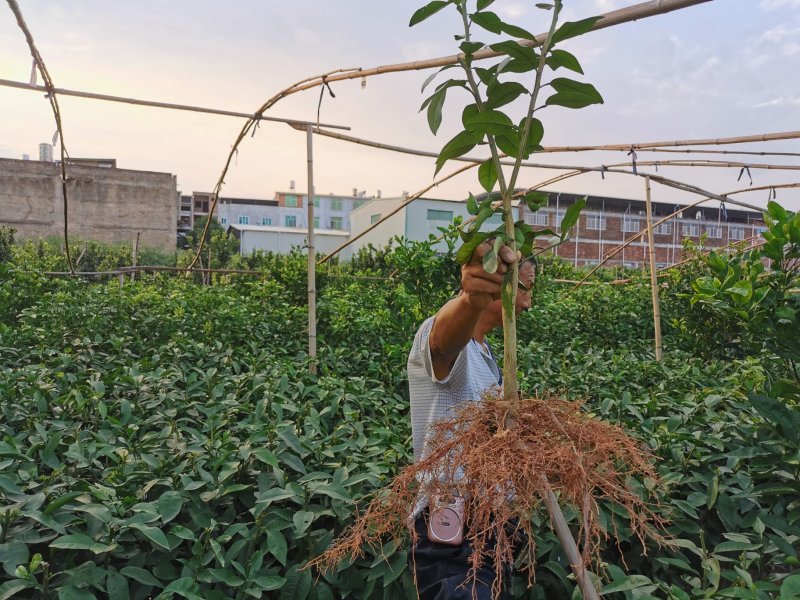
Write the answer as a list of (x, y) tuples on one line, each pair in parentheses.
[(281, 240), (416, 221)]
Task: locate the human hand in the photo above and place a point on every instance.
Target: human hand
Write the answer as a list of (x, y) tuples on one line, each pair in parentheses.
[(480, 287)]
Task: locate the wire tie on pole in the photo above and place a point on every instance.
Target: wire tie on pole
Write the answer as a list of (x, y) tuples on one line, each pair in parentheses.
[(603, 170), (656, 166), (632, 154), (742, 171), (773, 193)]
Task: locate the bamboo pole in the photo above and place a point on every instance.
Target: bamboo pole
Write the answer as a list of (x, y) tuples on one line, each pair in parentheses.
[(742, 139), (50, 88), (677, 162), (312, 264), (653, 274), (156, 104), (660, 163)]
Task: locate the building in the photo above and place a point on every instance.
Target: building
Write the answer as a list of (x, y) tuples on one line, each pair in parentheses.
[(415, 222), (105, 203), (281, 240), (605, 224)]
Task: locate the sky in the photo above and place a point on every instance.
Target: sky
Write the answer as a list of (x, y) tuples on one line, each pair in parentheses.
[(724, 68)]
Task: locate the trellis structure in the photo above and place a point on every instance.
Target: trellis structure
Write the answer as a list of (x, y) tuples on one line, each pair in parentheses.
[(639, 11)]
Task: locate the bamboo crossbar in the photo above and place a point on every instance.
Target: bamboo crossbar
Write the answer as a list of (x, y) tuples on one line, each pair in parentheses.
[(557, 149), (609, 19), (157, 104), (677, 162), (743, 139)]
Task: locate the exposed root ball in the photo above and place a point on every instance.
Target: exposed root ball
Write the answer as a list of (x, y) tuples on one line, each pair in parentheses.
[(500, 459)]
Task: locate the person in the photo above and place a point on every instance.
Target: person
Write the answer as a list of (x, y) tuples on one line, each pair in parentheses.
[(450, 363)]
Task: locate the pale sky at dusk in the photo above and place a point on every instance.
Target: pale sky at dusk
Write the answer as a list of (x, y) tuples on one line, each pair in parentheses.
[(720, 69)]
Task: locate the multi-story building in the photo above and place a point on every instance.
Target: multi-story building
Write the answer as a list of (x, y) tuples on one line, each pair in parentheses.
[(605, 224)]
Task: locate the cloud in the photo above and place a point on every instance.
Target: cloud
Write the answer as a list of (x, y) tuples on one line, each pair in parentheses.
[(777, 34), (776, 4), (607, 5), (512, 11), (779, 102)]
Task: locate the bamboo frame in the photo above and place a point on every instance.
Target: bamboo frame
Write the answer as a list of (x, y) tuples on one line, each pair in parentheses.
[(312, 272)]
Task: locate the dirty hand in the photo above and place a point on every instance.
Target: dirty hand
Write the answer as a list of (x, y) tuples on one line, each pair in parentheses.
[(481, 287)]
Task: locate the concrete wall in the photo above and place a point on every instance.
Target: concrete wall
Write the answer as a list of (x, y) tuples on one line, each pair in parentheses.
[(109, 205), (360, 219)]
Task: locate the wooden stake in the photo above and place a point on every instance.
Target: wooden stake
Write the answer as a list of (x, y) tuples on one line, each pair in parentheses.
[(312, 263), (653, 273), (135, 256), (568, 543)]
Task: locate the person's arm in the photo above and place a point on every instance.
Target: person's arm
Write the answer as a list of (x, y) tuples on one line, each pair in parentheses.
[(455, 322)]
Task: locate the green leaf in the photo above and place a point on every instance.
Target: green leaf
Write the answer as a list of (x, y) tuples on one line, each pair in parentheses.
[(508, 144), (335, 491), (490, 261), (459, 145), (297, 586), (472, 203), (571, 217), (435, 110), (631, 582), (71, 592), (464, 253), (487, 122), (8, 485), (154, 534), (488, 20), (426, 11), (519, 32), (470, 47), (524, 54), (562, 58), (80, 541), (487, 176), (265, 456), (302, 520), (535, 200), (186, 587), (276, 544), (45, 520), (484, 4), (790, 588), (9, 589), (571, 29), (501, 94), (117, 587), (169, 505), (227, 577), (573, 94), (269, 582), (13, 554), (143, 576), (535, 134)]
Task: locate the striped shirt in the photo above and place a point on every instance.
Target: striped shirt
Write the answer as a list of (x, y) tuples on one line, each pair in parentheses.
[(432, 399)]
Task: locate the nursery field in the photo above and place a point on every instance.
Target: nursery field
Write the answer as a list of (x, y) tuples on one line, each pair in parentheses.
[(166, 439)]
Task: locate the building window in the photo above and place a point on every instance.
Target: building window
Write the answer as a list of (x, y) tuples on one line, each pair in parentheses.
[(664, 229), (540, 218), (316, 222), (690, 229), (336, 222), (736, 233), (440, 215), (559, 218), (244, 220), (223, 220), (630, 225), (760, 230), (596, 222), (291, 201), (290, 221), (266, 220), (316, 201), (374, 219), (714, 232), (336, 204)]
